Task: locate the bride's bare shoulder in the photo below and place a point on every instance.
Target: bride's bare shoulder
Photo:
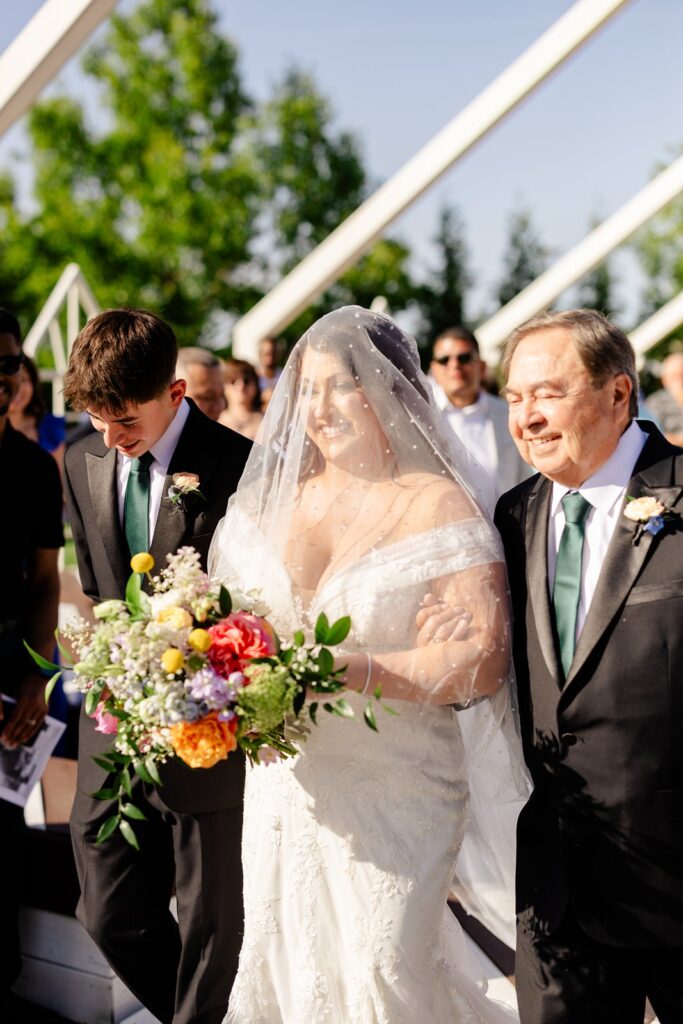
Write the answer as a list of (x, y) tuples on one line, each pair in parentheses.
[(435, 498)]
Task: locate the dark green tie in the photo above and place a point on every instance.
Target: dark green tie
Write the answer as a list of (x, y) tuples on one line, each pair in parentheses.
[(567, 586), (136, 505)]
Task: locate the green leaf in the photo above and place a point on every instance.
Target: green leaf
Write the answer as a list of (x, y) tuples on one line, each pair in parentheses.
[(287, 656), (321, 629), (325, 662), (377, 693), (151, 767), (50, 685), (106, 793), (133, 591), (313, 712), (141, 771), (107, 828), (224, 601), (42, 662), (63, 651), (128, 834), (105, 763), (92, 697), (338, 631), (369, 716), (131, 811), (343, 708), (328, 707), (389, 711), (125, 782), (299, 699), (299, 638)]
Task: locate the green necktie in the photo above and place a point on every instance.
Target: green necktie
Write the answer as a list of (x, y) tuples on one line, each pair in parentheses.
[(136, 505), (567, 586)]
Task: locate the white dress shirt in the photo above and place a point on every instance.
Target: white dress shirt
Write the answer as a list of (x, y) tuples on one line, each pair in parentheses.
[(162, 450), (476, 474), (605, 491)]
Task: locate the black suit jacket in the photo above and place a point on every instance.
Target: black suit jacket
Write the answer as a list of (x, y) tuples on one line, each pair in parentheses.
[(603, 829), (218, 456)]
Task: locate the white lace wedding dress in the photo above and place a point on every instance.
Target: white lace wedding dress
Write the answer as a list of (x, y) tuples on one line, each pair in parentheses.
[(349, 848)]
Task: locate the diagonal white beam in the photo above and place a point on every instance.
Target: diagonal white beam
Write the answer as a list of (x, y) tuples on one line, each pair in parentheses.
[(357, 233), (658, 326), (54, 34), (582, 258)]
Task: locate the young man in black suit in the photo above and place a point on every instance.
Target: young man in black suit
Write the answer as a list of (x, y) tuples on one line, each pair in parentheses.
[(597, 592), (122, 372)]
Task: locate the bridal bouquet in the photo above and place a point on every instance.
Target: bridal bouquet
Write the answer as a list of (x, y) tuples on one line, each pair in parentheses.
[(186, 672)]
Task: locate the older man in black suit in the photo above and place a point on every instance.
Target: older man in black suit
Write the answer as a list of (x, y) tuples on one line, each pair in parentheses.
[(122, 372), (594, 546)]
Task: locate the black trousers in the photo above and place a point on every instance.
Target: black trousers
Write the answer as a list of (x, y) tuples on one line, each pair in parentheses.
[(570, 978), (13, 835), (182, 972)]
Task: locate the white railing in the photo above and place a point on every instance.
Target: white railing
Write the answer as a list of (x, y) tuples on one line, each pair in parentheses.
[(71, 293)]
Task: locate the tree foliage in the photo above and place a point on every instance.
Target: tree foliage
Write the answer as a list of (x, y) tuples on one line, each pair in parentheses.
[(524, 257), (442, 298), (185, 196)]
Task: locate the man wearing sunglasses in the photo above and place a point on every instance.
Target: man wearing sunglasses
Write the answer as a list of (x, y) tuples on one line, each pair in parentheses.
[(31, 536), (479, 419)]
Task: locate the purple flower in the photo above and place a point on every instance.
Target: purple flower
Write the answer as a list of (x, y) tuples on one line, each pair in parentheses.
[(654, 525), (207, 685)]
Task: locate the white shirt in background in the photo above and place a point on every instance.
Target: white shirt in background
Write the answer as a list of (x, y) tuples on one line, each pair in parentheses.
[(162, 451), (605, 491)]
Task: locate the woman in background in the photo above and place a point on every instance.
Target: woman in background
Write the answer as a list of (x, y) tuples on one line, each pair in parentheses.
[(29, 414), (243, 395)]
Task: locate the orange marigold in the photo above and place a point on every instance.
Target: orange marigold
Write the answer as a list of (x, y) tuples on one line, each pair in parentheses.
[(203, 743)]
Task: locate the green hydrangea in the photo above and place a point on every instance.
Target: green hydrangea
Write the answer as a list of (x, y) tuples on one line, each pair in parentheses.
[(268, 697)]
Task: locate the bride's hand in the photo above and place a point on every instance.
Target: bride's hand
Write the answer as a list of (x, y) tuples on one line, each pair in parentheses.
[(439, 622)]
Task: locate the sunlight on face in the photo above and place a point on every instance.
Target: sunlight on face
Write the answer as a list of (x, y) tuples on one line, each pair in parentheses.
[(136, 428), (340, 421), (562, 425)]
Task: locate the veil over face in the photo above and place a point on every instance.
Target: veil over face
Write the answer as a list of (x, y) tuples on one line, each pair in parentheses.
[(356, 500)]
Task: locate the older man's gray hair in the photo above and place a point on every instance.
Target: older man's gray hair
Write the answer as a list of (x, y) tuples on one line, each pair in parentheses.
[(192, 355)]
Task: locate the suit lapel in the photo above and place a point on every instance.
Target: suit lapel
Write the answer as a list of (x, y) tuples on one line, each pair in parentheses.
[(624, 559), (175, 521), (101, 470), (538, 512)]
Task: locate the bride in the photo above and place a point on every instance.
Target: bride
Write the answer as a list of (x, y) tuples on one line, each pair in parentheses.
[(352, 503)]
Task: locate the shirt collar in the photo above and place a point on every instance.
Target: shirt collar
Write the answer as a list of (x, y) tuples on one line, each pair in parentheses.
[(445, 405), (606, 486), (163, 449)]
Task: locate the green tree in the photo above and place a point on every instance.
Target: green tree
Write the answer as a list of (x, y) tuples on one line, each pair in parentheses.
[(184, 197), (524, 257), (597, 291), (442, 298)]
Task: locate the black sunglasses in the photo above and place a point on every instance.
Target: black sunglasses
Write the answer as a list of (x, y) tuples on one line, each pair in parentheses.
[(9, 365), (463, 358)]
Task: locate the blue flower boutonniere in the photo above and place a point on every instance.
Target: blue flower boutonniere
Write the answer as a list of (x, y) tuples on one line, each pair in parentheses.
[(184, 488), (649, 514)]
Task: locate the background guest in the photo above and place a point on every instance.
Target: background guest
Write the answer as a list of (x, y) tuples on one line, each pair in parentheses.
[(30, 536), (203, 372), (268, 369), (479, 419), (667, 403), (243, 395), (29, 414)]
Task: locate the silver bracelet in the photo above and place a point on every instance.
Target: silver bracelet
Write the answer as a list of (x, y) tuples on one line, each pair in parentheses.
[(368, 676)]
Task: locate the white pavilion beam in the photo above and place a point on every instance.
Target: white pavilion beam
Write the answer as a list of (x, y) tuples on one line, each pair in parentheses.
[(658, 326), (54, 34), (355, 235), (589, 252)]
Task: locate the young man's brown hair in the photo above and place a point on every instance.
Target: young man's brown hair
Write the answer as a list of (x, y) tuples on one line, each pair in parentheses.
[(121, 357)]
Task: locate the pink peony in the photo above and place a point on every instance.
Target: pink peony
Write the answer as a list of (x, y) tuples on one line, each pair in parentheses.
[(106, 722), (237, 639)]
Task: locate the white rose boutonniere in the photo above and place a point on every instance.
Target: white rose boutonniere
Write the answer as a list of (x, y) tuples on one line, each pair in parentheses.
[(184, 486), (649, 514)]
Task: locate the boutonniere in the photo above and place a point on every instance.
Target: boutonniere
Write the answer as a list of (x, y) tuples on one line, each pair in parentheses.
[(184, 487), (649, 514)]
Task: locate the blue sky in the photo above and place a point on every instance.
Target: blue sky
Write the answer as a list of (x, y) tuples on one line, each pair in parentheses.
[(397, 71)]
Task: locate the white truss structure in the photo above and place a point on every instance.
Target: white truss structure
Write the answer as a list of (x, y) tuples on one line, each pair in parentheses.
[(658, 326), (71, 294)]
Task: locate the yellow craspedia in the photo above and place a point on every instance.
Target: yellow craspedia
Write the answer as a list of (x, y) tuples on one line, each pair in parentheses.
[(172, 660), (199, 640), (175, 617), (142, 562)]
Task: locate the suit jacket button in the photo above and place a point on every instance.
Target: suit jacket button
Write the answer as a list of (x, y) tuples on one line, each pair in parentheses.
[(569, 739)]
